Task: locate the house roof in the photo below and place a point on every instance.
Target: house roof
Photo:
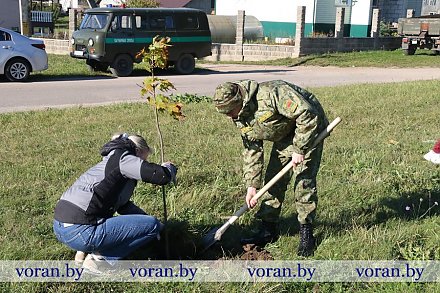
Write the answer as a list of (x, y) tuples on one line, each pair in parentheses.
[(173, 3)]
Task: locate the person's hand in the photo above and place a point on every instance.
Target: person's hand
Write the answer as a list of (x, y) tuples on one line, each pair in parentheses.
[(251, 191), (172, 169), (297, 159)]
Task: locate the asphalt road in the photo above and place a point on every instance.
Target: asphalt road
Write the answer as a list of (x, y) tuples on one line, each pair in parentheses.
[(65, 92)]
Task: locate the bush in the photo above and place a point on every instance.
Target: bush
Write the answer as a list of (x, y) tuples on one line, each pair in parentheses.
[(142, 3)]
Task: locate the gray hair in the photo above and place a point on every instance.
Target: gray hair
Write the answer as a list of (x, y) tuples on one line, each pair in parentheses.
[(138, 140)]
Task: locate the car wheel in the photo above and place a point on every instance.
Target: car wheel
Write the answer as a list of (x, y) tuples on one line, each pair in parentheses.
[(17, 70), (122, 65), (185, 64), (410, 51)]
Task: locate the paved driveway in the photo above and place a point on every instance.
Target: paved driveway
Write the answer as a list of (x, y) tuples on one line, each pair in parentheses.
[(65, 92)]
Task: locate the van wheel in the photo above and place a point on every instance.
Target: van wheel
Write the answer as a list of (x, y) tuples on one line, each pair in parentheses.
[(122, 65), (17, 69), (185, 64)]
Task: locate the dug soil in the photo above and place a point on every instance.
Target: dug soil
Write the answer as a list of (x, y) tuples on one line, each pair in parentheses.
[(253, 252)]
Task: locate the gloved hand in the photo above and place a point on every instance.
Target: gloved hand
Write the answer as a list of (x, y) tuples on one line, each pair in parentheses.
[(173, 171)]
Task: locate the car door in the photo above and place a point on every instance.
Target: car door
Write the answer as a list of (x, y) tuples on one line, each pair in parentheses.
[(120, 37), (6, 49)]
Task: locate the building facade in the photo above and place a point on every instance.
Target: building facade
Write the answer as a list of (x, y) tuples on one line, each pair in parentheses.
[(392, 10), (279, 19)]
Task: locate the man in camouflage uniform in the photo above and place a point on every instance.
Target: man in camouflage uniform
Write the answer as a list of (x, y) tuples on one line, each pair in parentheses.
[(291, 118)]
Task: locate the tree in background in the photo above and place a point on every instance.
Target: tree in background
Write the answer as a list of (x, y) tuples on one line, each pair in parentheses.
[(142, 3)]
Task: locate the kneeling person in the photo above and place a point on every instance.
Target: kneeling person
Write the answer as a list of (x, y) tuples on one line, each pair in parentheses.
[(84, 218)]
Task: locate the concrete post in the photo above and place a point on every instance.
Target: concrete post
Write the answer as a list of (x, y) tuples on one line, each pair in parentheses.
[(410, 13), (73, 21), (375, 23), (239, 35), (25, 18), (339, 24), (300, 26)]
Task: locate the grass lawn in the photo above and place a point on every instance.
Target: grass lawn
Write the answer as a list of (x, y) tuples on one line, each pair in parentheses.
[(422, 58), (63, 65), (372, 170)]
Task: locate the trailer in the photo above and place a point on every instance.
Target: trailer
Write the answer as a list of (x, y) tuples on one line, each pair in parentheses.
[(421, 32)]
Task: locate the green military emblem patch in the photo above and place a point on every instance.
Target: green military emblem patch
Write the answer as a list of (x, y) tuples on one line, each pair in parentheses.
[(290, 105)]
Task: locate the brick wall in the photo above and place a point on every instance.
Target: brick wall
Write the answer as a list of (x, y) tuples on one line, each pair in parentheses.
[(255, 52), (59, 47), (258, 52)]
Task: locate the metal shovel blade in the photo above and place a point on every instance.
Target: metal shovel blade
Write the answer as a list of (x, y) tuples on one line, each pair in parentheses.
[(209, 239)]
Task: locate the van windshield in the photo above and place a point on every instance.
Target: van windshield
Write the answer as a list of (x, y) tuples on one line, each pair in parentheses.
[(95, 21)]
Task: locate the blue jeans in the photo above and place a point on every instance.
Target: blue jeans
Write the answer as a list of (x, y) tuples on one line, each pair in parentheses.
[(114, 238)]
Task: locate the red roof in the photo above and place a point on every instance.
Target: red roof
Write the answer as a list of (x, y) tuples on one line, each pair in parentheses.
[(173, 3)]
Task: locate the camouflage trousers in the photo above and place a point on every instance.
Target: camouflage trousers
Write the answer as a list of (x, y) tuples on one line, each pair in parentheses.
[(304, 184)]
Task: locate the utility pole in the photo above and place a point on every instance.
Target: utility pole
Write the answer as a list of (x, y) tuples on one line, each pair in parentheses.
[(24, 16)]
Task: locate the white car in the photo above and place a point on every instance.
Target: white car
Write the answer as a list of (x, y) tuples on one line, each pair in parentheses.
[(20, 55)]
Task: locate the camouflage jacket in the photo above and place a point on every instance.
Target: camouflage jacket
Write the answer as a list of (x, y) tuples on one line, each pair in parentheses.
[(275, 110)]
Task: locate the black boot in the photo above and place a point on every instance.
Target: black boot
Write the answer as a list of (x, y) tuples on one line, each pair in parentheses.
[(306, 241), (268, 233)]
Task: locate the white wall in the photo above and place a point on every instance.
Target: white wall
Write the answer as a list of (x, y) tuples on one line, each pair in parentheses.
[(361, 12), (263, 10), (285, 10)]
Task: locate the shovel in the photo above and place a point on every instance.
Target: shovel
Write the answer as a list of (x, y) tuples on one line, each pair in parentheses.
[(216, 234)]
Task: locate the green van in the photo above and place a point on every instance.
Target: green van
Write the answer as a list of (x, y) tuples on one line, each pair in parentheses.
[(111, 37)]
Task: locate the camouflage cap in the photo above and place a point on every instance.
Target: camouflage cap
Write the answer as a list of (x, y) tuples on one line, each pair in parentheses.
[(227, 97)]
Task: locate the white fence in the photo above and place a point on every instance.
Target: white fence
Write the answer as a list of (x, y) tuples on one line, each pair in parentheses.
[(41, 16)]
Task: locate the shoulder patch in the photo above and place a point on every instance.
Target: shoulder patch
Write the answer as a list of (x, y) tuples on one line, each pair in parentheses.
[(290, 105)]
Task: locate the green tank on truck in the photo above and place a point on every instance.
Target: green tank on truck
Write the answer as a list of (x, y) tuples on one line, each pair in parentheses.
[(112, 37)]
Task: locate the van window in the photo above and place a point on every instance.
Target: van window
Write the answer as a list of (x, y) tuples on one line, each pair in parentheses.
[(121, 22), (190, 22), (95, 21), (161, 22), (142, 22)]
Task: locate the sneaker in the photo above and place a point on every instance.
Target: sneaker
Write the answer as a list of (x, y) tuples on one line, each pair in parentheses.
[(95, 264), (79, 257), (433, 157)]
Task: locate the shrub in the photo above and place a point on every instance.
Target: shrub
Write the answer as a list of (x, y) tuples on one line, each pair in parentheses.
[(142, 3)]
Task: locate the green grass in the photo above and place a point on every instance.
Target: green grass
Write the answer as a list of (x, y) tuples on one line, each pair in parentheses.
[(66, 66), (63, 65), (372, 169), (422, 58)]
